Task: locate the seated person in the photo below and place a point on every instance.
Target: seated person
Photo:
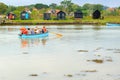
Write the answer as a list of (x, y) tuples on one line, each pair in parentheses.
[(32, 31), (25, 31), (44, 30), (29, 31), (22, 29)]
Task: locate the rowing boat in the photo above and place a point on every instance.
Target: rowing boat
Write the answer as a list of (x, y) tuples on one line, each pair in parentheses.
[(41, 35), (112, 24)]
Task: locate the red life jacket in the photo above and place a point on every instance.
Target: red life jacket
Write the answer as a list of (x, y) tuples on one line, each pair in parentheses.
[(25, 31)]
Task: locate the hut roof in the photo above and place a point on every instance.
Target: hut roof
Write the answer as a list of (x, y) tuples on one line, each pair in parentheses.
[(61, 12), (96, 12)]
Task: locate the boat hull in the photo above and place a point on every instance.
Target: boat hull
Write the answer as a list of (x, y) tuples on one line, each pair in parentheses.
[(112, 24), (34, 35)]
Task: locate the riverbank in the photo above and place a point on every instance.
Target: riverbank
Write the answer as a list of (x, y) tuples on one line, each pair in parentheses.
[(85, 20), (60, 22), (53, 22)]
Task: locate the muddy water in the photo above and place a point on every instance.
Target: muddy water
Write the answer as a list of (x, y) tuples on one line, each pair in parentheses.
[(83, 52)]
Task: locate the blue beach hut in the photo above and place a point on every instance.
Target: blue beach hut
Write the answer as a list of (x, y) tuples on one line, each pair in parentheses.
[(25, 15)]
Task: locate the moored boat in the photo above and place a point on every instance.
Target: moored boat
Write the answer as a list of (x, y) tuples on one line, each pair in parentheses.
[(112, 24), (41, 35)]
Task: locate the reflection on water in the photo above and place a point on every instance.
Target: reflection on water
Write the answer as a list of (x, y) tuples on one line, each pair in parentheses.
[(33, 42)]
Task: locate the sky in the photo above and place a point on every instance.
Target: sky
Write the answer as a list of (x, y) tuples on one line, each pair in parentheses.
[(109, 3)]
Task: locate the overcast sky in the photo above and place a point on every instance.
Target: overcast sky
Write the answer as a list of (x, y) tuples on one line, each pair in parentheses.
[(109, 3)]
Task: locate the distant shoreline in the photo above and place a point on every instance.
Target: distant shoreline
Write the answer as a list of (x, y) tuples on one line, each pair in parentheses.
[(52, 23)]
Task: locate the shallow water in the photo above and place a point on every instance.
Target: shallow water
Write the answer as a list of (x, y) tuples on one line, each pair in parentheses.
[(83, 52)]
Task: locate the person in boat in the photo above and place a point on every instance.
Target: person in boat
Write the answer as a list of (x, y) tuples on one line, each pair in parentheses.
[(24, 30), (44, 30), (32, 31), (37, 30), (29, 31)]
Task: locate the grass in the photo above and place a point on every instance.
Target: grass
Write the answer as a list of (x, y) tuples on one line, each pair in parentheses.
[(85, 20)]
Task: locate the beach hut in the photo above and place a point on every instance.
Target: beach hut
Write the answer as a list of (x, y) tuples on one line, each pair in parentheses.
[(24, 15), (78, 14), (47, 16), (11, 16), (61, 15), (96, 14)]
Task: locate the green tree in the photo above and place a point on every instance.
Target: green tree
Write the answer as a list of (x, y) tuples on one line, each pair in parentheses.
[(17, 13), (53, 5), (35, 15), (3, 8), (30, 7), (119, 7), (98, 7), (59, 7), (20, 8), (76, 7), (10, 9), (40, 6), (88, 8), (67, 5)]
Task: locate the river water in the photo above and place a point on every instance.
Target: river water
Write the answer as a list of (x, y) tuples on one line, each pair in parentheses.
[(71, 52)]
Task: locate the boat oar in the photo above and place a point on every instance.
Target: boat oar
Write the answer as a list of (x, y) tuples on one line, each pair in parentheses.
[(57, 34)]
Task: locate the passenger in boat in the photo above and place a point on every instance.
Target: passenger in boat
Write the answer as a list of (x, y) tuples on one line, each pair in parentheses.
[(25, 31), (44, 30), (29, 30), (32, 31), (22, 29), (37, 30)]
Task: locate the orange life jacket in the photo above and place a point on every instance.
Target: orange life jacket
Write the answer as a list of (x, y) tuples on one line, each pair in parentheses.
[(22, 29), (44, 29), (25, 31)]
